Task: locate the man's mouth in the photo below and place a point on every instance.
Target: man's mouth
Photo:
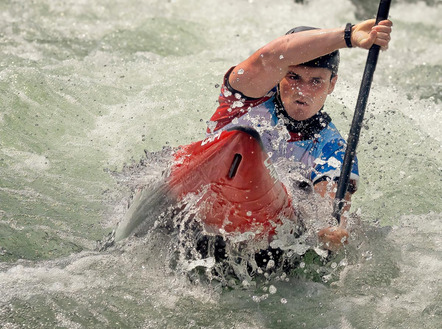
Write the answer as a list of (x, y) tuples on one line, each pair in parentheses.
[(301, 103)]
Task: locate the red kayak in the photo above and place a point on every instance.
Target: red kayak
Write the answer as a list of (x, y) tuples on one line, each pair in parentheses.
[(240, 190)]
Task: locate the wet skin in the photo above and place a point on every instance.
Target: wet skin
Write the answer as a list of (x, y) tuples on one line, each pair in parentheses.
[(304, 90)]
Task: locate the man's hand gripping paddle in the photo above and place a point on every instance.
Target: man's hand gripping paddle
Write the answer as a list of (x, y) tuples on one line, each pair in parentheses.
[(353, 138)]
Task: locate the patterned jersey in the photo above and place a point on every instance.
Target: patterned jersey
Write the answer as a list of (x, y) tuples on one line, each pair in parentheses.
[(320, 149)]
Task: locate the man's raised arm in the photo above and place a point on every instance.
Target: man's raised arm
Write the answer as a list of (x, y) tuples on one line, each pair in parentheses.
[(263, 70)]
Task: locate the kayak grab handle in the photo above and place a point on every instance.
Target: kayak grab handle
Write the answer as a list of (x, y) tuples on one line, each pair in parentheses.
[(234, 166)]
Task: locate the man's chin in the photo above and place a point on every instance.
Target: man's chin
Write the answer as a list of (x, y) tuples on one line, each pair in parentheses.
[(300, 115)]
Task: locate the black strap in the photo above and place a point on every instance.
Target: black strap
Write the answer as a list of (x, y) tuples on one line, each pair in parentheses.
[(347, 35)]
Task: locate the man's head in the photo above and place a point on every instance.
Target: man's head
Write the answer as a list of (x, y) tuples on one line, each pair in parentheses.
[(305, 87)]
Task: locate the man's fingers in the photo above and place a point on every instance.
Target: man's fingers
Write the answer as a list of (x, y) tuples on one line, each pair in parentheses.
[(383, 30), (366, 34), (385, 22), (332, 238)]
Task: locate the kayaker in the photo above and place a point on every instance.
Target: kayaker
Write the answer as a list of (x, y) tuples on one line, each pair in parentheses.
[(284, 85)]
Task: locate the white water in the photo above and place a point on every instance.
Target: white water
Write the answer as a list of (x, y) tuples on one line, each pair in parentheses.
[(86, 87)]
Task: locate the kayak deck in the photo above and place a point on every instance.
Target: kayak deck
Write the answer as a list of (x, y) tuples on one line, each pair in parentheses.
[(240, 190)]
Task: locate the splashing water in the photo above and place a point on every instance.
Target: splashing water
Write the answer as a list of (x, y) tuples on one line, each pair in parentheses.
[(86, 87)]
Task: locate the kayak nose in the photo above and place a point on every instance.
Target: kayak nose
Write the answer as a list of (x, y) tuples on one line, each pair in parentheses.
[(241, 190)]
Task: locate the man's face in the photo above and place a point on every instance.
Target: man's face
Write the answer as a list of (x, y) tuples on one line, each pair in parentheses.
[(304, 90)]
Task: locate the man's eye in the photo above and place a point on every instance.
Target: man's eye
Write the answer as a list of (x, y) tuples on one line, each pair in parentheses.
[(317, 81), (294, 77)]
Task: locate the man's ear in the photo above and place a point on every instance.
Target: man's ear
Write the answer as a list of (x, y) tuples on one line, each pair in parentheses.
[(332, 84)]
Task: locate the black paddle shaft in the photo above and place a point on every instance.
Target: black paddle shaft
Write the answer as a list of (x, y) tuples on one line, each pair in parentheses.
[(353, 137)]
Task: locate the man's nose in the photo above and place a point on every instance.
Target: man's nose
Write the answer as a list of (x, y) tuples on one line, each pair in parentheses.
[(303, 89)]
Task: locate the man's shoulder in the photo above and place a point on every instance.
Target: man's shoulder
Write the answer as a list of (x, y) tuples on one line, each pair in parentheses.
[(329, 140), (330, 132), (233, 104)]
